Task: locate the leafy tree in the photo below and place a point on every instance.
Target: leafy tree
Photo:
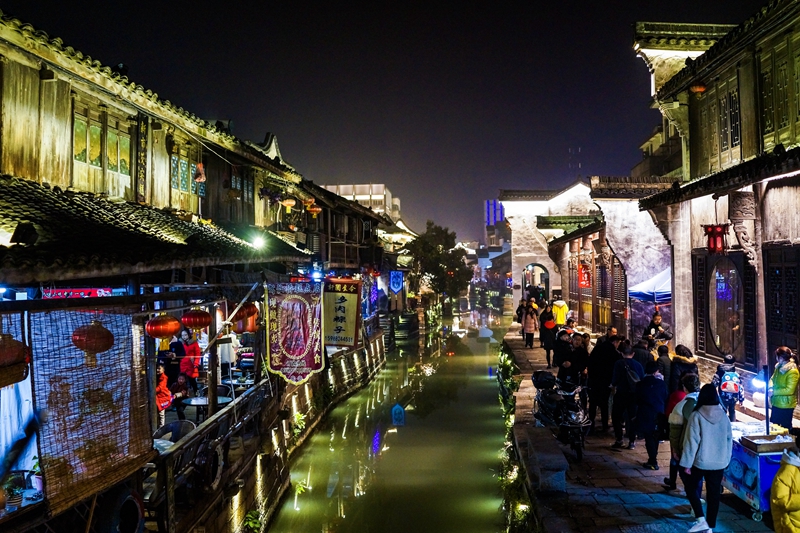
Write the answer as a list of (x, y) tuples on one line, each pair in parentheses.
[(437, 262)]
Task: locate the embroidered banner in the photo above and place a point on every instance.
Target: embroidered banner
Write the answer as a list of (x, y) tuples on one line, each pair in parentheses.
[(293, 330), (341, 314), (396, 281)]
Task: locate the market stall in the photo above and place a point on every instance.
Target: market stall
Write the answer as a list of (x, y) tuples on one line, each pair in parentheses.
[(754, 462)]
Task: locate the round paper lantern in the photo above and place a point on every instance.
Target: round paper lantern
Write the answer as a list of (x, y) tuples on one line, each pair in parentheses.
[(308, 202), (250, 309), (247, 325), (241, 314), (92, 340), (163, 327), (289, 203), (12, 351), (196, 319), (314, 210)]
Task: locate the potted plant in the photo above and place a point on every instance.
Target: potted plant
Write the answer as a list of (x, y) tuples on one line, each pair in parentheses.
[(36, 479), (13, 492)]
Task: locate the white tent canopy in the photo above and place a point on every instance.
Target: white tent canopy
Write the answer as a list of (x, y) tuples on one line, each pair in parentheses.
[(657, 289)]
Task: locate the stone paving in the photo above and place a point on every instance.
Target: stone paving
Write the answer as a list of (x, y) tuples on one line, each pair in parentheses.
[(610, 491)]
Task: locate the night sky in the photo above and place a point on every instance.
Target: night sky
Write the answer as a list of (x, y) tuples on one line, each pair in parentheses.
[(445, 103)]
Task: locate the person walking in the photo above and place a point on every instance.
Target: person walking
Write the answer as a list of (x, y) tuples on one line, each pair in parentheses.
[(786, 494), (664, 364), (520, 312), (600, 374), (651, 397), (562, 358), (627, 373), (683, 362), (783, 388), (547, 331), (530, 321), (190, 364), (690, 384), (707, 447)]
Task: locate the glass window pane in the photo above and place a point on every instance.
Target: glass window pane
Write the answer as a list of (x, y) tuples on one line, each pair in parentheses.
[(193, 169), (174, 172), (201, 189), (79, 142), (184, 175), (95, 152), (125, 155), (725, 302), (111, 151)]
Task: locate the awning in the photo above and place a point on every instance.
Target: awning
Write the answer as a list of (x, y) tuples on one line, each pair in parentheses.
[(657, 289)]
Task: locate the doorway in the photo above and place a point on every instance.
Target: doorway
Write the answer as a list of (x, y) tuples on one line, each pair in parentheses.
[(536, 282)]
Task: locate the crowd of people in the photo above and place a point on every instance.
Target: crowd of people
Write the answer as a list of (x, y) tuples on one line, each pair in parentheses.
[(657, 396)]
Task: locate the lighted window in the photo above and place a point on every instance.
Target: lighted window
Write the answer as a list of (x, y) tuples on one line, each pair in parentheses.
[(184, 173), (768, 118), (95, 145), (125, 155), (174, 172), (79, 139), (112, 150), (725, 303)]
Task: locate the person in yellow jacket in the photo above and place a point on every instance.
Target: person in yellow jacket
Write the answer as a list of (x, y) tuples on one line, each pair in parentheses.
[(783, 388), (786, 494)]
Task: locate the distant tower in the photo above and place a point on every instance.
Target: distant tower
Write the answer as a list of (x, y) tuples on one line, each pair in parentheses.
[(574, 161)]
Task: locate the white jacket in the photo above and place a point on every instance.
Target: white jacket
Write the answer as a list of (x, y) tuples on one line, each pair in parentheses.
[(708, 440)]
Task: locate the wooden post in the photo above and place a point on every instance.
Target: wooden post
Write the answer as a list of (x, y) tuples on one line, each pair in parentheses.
[(213, 366)]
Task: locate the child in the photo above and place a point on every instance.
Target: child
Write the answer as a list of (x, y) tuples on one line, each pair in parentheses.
[(786, 494), (163, 396), (729, 385), (180, 389)]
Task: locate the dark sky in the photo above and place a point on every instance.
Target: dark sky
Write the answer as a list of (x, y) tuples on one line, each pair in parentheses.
[(445, 103)]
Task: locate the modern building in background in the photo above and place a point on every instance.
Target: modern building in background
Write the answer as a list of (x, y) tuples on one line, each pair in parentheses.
[(375, 196)]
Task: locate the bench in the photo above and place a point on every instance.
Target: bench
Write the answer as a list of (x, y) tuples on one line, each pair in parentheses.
[(544, 461)]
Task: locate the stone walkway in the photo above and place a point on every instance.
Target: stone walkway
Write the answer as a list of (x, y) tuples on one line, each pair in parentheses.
[(610, 491)]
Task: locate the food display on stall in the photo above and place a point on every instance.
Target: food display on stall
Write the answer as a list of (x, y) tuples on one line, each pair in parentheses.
[(754, 462)]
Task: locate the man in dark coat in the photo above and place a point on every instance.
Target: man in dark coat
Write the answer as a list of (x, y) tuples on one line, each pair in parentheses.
[(610, 332), (651, 398), (624, 407), (562, 358), (601, 370), (641, 353)]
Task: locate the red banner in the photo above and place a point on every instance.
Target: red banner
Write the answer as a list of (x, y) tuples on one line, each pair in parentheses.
[(294, 344), (584, 276), (76, 293)]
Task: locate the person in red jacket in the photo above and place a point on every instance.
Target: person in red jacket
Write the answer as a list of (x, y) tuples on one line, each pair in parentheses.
[(163, 395), (190, 365)]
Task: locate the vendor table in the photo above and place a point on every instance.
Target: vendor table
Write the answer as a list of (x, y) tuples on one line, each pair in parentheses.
[(749, 476)]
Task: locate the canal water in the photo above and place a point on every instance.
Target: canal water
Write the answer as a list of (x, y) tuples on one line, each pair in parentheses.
[(428, 467)]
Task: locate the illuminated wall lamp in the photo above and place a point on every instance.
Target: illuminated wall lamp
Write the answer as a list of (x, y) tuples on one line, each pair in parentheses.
[(716, 238)]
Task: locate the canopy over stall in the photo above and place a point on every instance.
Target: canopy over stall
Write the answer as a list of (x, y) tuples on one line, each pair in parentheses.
[(657, 289)]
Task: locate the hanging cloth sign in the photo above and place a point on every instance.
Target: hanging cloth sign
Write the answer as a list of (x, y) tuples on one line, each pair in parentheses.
[(584, 277), (293, 330), (398, 415), (341, 317), (396, 281)]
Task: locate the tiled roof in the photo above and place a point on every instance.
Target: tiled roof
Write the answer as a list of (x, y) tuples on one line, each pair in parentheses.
[(585, 230), (628, 187), (568, 223), (56, 54), (672, 35), (757, 169), (82, 235), (748, 31), (529, 195)]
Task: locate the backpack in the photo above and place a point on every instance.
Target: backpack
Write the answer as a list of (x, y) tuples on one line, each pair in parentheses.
[(633, 377), (730, 383)]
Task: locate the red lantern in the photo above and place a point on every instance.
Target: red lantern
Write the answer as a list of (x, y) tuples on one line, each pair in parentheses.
[(196, 319), (308, 202), (12, 351), (250, 309), (241, 314), (289, 203), (314, 210), (247, 325), (92, 340), (163, 327), (716, 238)]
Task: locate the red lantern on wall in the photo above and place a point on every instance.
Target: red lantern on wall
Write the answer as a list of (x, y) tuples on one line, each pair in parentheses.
[(92, 340), (12, 351), (196, 319), (716, 238), (250, 309), (162, 327), (248, 325), (241, 314)]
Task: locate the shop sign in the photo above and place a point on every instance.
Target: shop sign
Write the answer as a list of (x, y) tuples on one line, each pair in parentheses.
[(51, 294), (341, 317), (294, 344), (396, 281), (584, 276)]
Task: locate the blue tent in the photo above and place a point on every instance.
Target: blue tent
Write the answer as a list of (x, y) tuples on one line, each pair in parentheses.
[(657, 289)]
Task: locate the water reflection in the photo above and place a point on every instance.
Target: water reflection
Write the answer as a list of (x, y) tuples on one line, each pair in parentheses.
[(360, 472)]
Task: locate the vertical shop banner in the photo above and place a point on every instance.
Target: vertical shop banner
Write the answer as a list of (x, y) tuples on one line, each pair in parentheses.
[(396, 281), (342, 312), (584, 277), (294, 312)]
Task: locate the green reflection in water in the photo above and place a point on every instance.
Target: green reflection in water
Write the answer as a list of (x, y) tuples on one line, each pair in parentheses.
[(434, 474)]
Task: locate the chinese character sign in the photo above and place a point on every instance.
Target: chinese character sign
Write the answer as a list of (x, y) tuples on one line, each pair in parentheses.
[(341, 316), (294, 330), (584, 277), (396, 281)]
